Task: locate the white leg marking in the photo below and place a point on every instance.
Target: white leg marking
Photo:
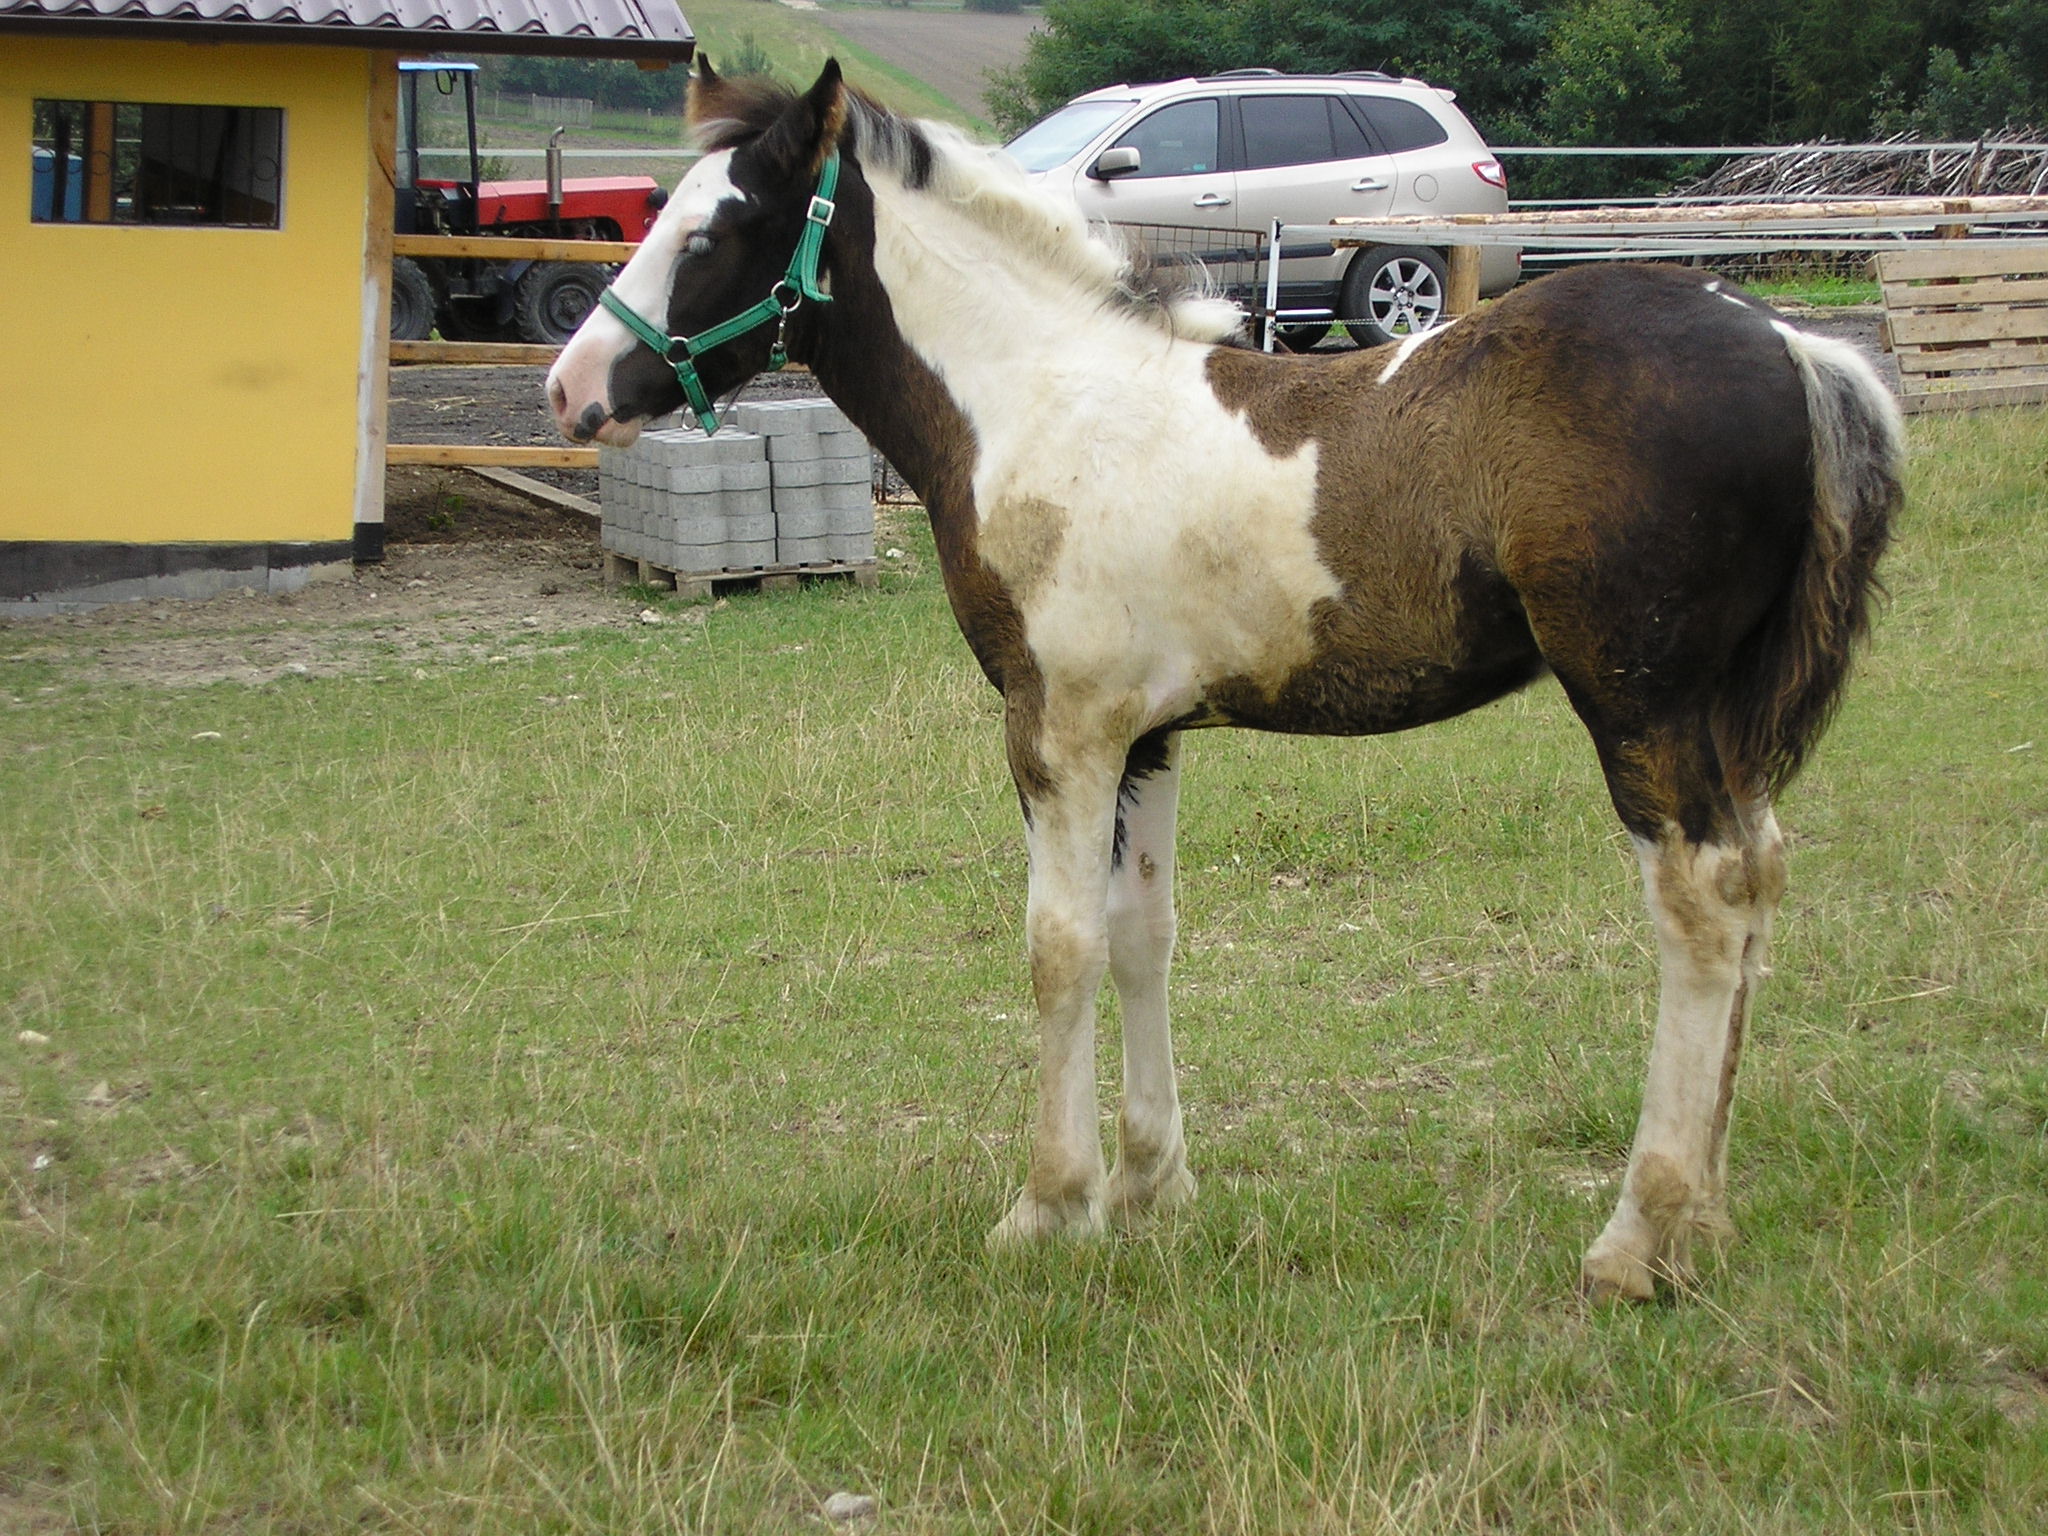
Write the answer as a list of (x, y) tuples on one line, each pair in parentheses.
[(1152, 1169), (1066, 930), (1712, 906)]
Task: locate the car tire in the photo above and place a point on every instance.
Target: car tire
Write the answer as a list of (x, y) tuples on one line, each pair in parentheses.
[(1392, 292), (412, 301), (553, 297), (1301, 335)]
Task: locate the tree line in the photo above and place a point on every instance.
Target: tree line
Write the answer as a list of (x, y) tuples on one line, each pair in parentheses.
[(1581, 72)]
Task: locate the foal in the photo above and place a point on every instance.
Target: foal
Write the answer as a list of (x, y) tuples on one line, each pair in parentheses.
[(1634, 478)]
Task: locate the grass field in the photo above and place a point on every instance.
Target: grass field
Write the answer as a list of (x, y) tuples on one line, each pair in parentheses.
[(569, 1096)]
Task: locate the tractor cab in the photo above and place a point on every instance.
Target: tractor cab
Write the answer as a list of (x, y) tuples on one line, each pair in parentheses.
[(435, 205)]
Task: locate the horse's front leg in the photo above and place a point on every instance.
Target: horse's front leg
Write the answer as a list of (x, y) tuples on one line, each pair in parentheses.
[(1152, 1163), (1070, 815)]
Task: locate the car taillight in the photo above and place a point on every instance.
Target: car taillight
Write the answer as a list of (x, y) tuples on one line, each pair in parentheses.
[(1492, 172)]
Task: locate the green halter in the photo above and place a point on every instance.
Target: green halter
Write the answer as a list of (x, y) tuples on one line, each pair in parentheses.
[(798, 284)]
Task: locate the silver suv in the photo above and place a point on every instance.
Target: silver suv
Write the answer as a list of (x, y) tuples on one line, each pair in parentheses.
[(1235, 151)]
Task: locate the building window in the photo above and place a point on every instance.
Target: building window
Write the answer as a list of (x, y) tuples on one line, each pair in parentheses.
[(125, 162)]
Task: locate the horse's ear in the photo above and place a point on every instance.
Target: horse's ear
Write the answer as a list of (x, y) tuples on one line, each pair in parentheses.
[(809, 131)]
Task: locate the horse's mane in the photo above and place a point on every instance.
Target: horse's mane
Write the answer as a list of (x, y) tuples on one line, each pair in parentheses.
[(985, 184)]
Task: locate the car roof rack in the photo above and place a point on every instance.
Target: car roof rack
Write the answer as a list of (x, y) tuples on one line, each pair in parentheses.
[(1257, 72)]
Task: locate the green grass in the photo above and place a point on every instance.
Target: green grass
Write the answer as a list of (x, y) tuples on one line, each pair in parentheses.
[(526, 1112), (1829, 290)]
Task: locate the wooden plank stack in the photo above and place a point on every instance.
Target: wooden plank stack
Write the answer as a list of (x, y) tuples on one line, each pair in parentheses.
[(1968, 322)]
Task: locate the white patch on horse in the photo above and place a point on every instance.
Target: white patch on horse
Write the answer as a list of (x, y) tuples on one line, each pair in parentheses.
[(583, 371), (1408, 347), (1152, 473)]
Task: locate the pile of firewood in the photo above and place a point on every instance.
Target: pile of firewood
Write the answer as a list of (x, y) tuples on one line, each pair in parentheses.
[(1990, 167)]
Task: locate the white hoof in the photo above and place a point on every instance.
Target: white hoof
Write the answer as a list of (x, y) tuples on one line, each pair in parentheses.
[(1032, 1220)]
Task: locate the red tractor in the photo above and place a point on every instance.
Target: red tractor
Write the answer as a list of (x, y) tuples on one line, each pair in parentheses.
[(474, 299)]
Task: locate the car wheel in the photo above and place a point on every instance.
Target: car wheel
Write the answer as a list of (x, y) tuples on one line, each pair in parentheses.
[(553, 297), (1301, 335), (412, 301), (1393, 291)]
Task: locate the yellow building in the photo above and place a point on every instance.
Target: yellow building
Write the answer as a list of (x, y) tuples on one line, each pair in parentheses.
[(195, 227)]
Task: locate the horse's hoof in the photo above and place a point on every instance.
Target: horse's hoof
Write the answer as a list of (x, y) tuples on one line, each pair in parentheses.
[(1133, 1202), (1609, 1274), (1035, 1221)]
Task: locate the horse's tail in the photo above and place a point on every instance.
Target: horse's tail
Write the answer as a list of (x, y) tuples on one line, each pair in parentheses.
[(1796, 664)]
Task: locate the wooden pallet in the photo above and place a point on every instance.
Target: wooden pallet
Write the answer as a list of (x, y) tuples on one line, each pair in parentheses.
[(620, 571), (1968, 322)]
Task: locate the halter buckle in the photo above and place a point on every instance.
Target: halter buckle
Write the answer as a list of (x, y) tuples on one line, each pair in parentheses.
[(821, 209)]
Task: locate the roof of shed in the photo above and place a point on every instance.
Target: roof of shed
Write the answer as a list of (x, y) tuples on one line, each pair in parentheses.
[(613, 29)]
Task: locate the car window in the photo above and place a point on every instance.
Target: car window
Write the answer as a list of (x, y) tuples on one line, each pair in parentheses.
[(1060, 137), (1400, 124), (1179, 140), (1297, 130)]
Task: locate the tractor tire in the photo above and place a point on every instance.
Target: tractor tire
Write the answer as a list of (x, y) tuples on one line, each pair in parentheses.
[(553, 297), (412, 301)]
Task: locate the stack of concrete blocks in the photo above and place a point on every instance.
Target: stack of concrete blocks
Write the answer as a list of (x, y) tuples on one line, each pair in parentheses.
[(819, 468), (791, 487), (687, 502)]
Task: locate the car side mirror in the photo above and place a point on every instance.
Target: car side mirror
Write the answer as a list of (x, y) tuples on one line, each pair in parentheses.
[(1111, 163)]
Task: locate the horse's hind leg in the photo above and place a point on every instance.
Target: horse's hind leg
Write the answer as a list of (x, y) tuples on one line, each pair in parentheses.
[(1152, 1167), (1713, 872)]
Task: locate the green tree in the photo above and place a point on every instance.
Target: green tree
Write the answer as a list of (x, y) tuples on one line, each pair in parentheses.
[(1486, 50)]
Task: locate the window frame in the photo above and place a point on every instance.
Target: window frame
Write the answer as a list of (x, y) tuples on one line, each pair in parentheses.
[(154, 152)]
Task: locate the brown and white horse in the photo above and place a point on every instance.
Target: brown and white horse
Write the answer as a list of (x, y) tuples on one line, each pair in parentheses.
[(1632, 477)]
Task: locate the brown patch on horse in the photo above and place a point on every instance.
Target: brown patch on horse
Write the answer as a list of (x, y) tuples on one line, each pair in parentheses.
[(1389, 514), (1022, 538)]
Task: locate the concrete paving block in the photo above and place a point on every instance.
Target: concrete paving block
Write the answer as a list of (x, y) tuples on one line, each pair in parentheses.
[(806, 418), (793, 448), (755, 528), (691, 479), (815, 551), (813, 523), (821, 472), (728, 447), (745, 506), (843, 445), (852, 548), (744, 477)]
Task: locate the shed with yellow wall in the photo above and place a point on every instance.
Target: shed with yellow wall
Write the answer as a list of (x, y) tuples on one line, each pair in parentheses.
[(198, 406)]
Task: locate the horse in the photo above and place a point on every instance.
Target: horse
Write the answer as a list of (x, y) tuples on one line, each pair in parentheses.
[(1637, 479)]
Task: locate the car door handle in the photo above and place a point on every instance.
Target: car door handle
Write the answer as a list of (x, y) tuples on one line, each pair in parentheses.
[(1212, 200), (1368, 184)]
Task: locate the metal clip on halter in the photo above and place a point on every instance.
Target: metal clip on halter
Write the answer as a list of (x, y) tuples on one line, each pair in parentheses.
[(800, 282)]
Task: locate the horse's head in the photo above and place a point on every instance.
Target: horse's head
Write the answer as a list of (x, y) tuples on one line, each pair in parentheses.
[(722, 245)]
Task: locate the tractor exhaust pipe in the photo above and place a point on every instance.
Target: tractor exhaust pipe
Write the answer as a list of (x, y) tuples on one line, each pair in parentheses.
[(555, 173)]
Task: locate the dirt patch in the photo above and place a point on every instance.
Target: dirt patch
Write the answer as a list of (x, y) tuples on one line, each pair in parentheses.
[(467, 600)]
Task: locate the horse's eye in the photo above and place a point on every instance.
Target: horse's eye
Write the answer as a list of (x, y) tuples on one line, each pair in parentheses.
[(699, 244)]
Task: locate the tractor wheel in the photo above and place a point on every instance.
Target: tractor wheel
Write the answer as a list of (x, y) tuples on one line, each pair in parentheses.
[(553, 297), (412, 301)]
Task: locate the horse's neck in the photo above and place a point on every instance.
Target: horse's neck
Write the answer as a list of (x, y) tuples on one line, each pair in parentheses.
[(952, 325)]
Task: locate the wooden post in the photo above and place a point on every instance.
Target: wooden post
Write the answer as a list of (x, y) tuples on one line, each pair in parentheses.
[(373, 370), (1461, 289)]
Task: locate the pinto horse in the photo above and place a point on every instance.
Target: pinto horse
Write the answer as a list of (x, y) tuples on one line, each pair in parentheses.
[(1634, 478)]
